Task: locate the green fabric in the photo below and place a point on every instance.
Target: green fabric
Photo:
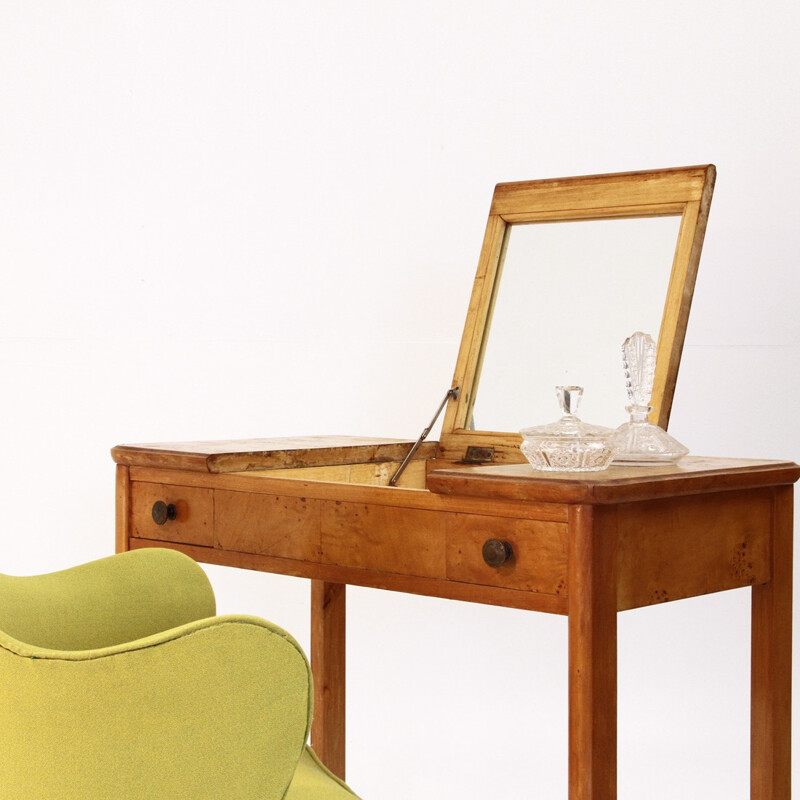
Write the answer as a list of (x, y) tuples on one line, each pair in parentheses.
[(312, 781), (214, 709), (117, 681), (113, 600)]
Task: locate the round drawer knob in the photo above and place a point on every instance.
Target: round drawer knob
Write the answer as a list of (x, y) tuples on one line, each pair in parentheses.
[(163, 511), (496, 552)]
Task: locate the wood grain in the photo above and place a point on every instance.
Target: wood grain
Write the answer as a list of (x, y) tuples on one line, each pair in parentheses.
[(682, 191), (679, 300), (274, 525), (539, 563), (681, 547), (585, 545), (478, 311), (592, 654), (194, 523), (392, 581), (771, 671), (617, 484), (355, 493), (453, 446), (371, 474), (250, 454), (591, 192), (382, 538), (556, 214), (122, 508), (328, 662)]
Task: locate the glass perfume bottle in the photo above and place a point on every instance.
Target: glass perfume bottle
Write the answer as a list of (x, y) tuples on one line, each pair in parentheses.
[(568, 445), (639, 441)]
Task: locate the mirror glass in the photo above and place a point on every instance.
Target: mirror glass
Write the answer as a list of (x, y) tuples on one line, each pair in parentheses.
[(568, 294)]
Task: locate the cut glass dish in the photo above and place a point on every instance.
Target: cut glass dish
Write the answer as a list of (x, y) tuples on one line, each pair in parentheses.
[(639, 441), (568, 445)]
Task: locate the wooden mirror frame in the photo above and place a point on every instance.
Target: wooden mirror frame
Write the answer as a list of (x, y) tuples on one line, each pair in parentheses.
[(683, 191)]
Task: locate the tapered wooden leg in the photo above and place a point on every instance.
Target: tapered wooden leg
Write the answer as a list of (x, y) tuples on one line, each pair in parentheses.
[(771, 667), (328, 668), (592, 654)]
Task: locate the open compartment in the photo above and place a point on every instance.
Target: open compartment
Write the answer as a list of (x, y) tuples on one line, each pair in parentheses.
[(536, 293)]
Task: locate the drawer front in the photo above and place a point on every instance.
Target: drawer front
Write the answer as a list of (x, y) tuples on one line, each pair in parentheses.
[(408, 541), (286, 527), (191, 521), (538, 563)]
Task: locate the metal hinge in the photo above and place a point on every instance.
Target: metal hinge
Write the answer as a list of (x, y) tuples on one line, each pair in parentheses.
[(452, 394), (478, 455)]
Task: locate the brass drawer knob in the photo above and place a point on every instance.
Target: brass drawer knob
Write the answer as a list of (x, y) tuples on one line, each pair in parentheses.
[(163, 511), (496, 552)]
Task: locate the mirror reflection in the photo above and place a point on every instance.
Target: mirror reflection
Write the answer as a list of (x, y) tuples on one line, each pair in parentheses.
[(568, 295)]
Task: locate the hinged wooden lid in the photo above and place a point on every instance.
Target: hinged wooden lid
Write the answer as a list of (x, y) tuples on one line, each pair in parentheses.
[(681, 192)]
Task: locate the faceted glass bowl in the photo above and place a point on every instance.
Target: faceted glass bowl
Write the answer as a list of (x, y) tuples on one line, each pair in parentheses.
[(568, 445), (581, 454)]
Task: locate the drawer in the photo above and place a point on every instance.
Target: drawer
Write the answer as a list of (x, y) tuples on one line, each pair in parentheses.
[(191, 518), (406, 541), (272, 525), (538, 563)]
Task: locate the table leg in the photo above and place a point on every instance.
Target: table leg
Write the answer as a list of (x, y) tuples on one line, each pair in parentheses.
[(771, 665), (123, 508), (328, 668), (592, 654)]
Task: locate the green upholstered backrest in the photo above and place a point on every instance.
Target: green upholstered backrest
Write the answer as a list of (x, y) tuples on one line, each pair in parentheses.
[(117, 681), (103, 603), (217, 708)]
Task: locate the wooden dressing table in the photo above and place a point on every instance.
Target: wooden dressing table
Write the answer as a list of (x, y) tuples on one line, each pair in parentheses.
[(468, 520), (586, 547)]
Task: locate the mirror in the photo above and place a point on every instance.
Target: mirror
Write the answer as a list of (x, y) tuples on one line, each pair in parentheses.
[(609, 278), (568, 269)]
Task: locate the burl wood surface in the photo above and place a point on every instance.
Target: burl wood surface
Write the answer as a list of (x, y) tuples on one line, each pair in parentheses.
[(771, 670), (239, 455), (585, 545), (617, 484)]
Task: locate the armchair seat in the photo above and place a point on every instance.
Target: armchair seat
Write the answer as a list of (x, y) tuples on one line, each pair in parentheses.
[(313, 781), (118, 681)]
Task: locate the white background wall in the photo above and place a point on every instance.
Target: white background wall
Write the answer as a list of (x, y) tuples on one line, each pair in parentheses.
[(232, 219)]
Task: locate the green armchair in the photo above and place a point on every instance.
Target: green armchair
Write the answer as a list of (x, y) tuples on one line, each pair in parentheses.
[(118, 681)]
